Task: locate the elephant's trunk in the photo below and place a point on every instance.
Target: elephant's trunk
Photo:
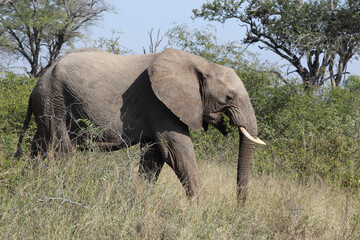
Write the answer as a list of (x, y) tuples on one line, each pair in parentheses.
[(246, 151)]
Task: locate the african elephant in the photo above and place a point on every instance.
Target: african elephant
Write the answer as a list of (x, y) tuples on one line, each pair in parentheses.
[(152, 99)]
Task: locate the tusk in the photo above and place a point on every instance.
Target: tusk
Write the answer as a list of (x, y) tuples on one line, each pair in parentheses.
[(251, 138)]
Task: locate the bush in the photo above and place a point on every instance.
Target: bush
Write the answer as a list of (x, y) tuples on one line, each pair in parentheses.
[(310, 133), (14, 95)]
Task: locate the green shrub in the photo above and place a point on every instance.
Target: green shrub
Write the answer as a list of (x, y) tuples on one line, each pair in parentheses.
[(14, 95), (310, 134)]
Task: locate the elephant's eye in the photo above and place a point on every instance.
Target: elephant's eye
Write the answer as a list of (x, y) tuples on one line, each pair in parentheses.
[(229, 97)]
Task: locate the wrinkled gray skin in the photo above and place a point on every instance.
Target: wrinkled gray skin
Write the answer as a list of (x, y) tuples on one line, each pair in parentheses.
[(152, 99)]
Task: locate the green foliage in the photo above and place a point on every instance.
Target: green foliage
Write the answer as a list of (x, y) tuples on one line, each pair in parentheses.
[(112, 44), (89, 133), (311, 135), (352, 83), (14, 95), (203, 42)]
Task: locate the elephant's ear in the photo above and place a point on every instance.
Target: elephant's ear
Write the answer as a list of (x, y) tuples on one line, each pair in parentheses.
[(174, 77)]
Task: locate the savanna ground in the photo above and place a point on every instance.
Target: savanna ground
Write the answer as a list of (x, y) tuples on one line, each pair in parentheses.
[(305, 183)]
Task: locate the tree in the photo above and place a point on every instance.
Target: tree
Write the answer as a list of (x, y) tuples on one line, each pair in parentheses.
[(317, 37), (352, 83), (203, 42), (153, 46), (37, 30), (112, 44)]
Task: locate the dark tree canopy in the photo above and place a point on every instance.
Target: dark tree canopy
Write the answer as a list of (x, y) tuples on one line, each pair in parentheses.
[(317, 37), (37, 30)]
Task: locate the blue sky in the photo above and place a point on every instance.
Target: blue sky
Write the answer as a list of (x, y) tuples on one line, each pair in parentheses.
[(136, 17)]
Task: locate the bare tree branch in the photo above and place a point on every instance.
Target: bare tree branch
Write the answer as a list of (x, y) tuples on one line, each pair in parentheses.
[(154, 45), (3, 2)]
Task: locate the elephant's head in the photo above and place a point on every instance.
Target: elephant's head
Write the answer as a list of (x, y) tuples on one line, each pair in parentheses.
[(199, 92)]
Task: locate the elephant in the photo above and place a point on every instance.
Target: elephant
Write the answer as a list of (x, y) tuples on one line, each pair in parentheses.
[(151, 99)]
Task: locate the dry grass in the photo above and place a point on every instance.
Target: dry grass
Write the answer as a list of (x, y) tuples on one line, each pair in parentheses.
[(100, 196)]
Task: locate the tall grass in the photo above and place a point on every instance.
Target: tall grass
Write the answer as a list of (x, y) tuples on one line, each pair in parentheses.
[(101, 196)]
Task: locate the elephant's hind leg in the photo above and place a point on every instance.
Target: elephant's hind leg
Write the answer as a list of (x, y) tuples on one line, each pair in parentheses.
[(61, 139), (42, 143), (51, 135), (151, 162), (38, 146)]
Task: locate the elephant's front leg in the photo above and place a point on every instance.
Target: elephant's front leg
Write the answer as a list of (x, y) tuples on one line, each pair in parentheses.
[(178, 151), (151, 162)]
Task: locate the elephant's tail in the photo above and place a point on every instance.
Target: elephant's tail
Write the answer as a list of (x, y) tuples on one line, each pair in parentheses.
[(25, 126)]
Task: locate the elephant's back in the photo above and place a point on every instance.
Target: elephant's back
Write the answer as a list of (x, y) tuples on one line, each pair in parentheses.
[(97, 68), (96, 75), (93, 82)]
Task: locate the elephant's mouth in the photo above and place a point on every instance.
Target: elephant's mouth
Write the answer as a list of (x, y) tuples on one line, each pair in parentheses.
[(217, 120), (222, 121)]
